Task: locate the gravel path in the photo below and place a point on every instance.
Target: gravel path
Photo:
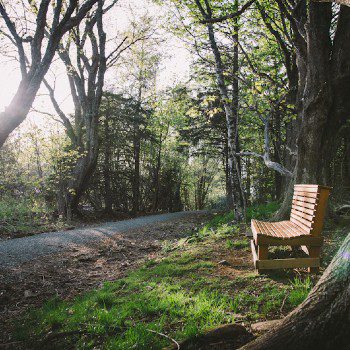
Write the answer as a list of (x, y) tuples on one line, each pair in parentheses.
[(19, 250)]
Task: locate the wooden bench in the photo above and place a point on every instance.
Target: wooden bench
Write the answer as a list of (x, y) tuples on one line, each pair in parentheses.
[(303, 230)]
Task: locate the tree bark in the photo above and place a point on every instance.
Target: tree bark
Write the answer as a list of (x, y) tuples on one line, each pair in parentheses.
[(157, 174), (323, 91), (106, 167), (84, 133), (238, 197), (322, 321), (63, 21), (317, 94), (338, 117), (136, 177)]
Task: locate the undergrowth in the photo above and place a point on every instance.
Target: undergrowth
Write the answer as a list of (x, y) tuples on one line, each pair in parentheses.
[(22, 215)]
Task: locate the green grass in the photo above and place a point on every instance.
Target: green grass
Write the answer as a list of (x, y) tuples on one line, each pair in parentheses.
[(181, 295), (178, 296), (300, 290), (238, 244), (156, 297)]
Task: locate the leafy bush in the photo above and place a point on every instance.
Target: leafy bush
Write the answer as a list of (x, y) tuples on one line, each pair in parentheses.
[(20, 214)]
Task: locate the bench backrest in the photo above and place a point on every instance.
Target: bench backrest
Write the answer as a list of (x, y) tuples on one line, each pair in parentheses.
[(309, 207)]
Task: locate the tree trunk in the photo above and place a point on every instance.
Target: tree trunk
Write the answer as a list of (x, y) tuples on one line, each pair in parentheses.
[(248, 181), (74, 186), (277, 146), (136, 177), (232, 133), (346, 162), (315, 98), (18, 108), (84, 133), (228, 182), (157, 175), (338, 116), (106, 168), (322, 321), (317, 93)]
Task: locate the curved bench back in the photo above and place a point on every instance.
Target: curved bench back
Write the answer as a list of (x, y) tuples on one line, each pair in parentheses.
[(309, 207)]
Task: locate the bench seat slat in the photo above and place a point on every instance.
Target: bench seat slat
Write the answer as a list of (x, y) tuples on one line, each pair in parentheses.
[(303, 215), (311, 206), (305, 199), (286, 229), (306, 189), (282, 233), (282, 229), (303, 209), (295, 230), (306, 194)]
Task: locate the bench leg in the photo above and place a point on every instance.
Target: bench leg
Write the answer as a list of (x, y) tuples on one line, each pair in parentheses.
[(314, 252), (263, 253)]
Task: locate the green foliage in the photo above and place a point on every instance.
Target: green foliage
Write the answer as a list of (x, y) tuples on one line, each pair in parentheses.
[(20, 215), (220, 219), (238, 244), (300, 290), (262, 211), (218, 227)]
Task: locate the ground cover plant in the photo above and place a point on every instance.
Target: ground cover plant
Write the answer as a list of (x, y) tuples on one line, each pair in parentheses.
[(200, 283)]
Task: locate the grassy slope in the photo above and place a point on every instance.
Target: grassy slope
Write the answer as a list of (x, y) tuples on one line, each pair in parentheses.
[(181, 295)]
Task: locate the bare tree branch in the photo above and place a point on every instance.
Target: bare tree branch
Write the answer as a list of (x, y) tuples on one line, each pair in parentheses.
[(231, 15), (17, 39)]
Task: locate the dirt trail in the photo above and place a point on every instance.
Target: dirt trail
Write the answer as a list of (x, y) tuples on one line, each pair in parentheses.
[(19, 250)]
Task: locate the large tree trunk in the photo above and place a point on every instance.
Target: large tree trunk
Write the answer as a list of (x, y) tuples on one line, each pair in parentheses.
[(107, 168), (232, 133), (314, 106), (18, 108), (84, 132), (340, 84), (322, 321), (136, 175), (326, 98), (75, 184), (323, 94), (317, 93)]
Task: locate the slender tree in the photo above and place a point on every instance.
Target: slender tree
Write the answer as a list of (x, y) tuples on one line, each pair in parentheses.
[(34, 61), (86, 81), (231, 110)]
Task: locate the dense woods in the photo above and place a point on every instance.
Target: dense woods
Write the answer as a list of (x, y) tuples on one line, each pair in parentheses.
[(252, 108), (263, 105)]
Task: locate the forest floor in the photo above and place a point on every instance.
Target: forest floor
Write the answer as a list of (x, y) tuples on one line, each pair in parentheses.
[(84, 266), (167, 282)]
